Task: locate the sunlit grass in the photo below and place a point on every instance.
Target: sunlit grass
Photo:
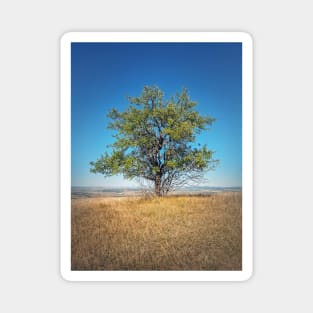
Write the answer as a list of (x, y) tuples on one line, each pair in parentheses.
[(169, 233)]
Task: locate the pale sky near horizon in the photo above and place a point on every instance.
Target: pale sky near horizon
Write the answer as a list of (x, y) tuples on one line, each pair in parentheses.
[(104, 74)]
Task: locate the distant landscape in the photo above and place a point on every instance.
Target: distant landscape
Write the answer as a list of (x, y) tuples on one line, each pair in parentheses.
[(99, 192)]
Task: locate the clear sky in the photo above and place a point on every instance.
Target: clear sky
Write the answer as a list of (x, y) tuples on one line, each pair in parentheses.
[(104, 74)]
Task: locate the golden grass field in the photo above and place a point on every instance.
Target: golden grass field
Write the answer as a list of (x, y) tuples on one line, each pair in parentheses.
[(168, 233)]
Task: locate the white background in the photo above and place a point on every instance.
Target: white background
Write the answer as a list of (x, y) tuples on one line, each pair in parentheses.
[(29, 157)]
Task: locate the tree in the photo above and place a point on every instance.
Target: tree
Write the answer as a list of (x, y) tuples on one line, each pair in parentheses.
[(155, 140)]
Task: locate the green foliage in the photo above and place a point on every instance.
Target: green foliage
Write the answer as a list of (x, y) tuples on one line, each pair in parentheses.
[(156, 141)]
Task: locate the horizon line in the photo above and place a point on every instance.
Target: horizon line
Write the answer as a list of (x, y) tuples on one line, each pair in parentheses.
[(130, 187)]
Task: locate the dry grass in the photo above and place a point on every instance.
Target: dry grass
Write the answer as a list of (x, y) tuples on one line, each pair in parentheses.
[(170, 233)]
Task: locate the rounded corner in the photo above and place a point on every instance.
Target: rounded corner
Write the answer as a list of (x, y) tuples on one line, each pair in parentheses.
[(247, 275), (65, 275), (65, 37), (247, 37)]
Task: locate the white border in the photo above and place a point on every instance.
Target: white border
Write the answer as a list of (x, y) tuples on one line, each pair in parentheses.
[(247, 157)]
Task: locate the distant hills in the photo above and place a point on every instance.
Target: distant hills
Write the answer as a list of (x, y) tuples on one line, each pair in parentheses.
[(98, 192)]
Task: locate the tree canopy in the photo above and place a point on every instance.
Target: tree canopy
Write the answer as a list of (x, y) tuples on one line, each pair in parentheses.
[(155, 141)]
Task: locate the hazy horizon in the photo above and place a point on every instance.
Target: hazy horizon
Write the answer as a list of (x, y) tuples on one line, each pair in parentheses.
[(142, 187)]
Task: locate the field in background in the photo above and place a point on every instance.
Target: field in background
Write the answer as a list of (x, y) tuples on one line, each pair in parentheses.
[(169, 233)]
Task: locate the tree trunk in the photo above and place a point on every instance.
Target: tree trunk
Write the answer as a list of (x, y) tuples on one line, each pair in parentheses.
[(157, 185)]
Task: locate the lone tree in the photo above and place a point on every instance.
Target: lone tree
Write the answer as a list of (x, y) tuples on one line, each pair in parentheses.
[(156, 142)]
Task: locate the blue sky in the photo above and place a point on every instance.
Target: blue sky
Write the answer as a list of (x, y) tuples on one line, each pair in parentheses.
[(104, 74)]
